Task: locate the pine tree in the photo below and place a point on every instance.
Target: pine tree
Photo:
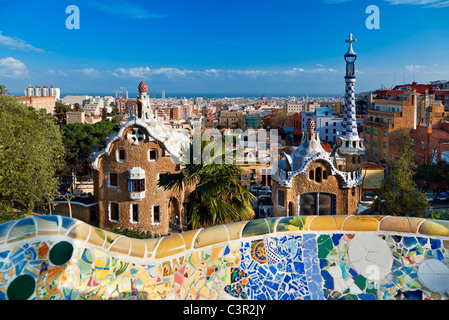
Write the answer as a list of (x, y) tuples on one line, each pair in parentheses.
[(399, 193)]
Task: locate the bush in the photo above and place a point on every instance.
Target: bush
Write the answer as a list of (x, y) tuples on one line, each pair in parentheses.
[(137, 234)]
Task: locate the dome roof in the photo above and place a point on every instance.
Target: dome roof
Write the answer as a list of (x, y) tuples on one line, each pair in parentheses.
[(143, 87)]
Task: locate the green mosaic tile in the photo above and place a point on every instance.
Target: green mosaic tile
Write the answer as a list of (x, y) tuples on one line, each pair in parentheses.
[(255, 228), (21, 288), (61, 253), (290, 224)]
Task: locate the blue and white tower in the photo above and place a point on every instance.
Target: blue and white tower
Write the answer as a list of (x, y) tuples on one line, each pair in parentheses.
[(349, 142)]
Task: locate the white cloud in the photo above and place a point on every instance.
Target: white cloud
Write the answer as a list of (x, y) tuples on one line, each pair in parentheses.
[(89, 72), (427, 3), (141, 72), (17, 44), (123, 9), (414, 68), (12, 68), (58, 72)]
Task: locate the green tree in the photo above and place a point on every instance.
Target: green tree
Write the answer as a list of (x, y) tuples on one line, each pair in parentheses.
[(61, 113), (3, 89), (31, 151), (79, 142), (399, 193), (218, 196)]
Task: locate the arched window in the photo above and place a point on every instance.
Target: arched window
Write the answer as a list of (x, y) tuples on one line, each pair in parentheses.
[(311, 175), (318, 174)]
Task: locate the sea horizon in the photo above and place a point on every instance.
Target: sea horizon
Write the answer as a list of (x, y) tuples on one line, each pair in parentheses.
[(206, 95)]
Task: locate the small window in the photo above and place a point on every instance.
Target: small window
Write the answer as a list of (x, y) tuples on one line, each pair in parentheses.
[(324, 174), (375, 132), (112, 180), (134, 212), (156, 214), (281, 198), (113, 211), (311, 175), (385, 144), (422, 144), (152, 155), (121, 155), (318, 176), (385, 133)]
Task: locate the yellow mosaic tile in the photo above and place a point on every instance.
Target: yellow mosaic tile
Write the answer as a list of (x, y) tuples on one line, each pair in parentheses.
[(80, 232), (47, 226), (415, 223), (188, 237), (121, 245), (399, 224), (210, 236), (138, 249), (435, 227), (151, 246), (110, 238), (340, 220), (235, 229), (361, 223), (306, 222), (97, 237), (170, 245), (323, 223)]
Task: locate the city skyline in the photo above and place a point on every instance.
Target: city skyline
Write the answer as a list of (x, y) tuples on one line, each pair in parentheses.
[(264, 46)]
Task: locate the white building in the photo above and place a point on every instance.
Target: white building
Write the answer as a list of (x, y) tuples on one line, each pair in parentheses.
[(43, 92), (328, 126), (72, 99)]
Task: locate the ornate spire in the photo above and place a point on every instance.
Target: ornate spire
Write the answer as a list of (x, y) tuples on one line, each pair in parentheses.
[(349, 140)]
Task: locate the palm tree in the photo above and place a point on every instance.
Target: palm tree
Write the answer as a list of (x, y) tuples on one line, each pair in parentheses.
[(3, 89), (218, 196)]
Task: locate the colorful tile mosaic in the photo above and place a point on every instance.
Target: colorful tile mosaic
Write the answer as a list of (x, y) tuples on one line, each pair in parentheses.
[(306, 258)]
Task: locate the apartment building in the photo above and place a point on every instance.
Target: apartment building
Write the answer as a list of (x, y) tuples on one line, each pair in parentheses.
[(430, 144), (231, 120), (393, 113), (47, 103)]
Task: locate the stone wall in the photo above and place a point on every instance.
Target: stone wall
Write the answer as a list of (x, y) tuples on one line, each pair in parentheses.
[(136, 156), (346, 198), (304, 258)]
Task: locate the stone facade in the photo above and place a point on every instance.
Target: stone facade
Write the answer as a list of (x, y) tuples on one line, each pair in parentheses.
[(343, 200), (127, 171), (137, 156)]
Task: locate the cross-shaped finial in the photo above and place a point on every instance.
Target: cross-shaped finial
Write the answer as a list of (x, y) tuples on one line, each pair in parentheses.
[(136, 136), (350, 40)]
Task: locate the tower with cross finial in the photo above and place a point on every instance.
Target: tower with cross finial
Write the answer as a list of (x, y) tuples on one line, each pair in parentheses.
[(349, 147)]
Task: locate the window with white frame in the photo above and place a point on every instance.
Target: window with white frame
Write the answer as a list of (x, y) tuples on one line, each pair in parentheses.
[(134, 212), (112, 180), (281, 198), (113, 211), (152, 155), (156, 214), (121, 155)]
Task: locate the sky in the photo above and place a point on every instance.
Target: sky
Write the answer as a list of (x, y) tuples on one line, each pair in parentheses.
[(291, 47)]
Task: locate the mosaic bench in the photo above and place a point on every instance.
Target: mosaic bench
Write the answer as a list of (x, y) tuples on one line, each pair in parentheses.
[(305, 257)]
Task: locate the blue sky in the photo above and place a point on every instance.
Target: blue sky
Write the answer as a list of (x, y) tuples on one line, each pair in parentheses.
[(215, 46)]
